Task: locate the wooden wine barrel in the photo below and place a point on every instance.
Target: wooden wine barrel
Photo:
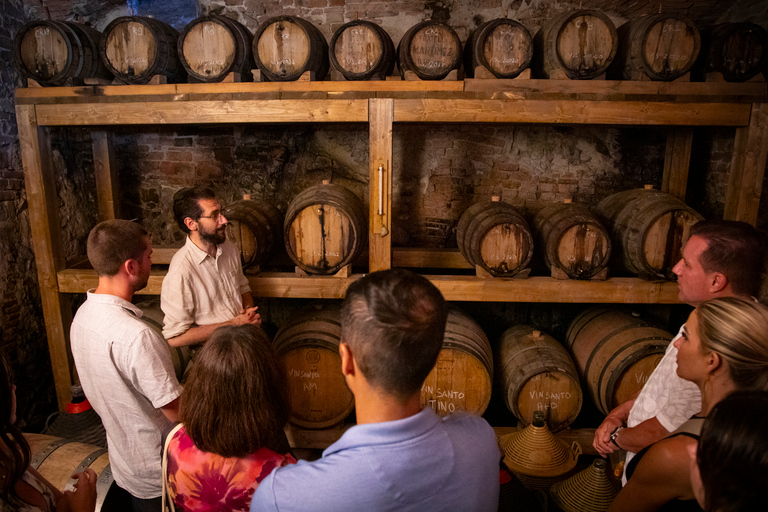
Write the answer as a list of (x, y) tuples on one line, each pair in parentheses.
[(284, 47), (649, 228), (135, 49), (326, 228), (536, 373), (431, 49), (361, 50), (577, 44), (309, 347), (615, 353), (53, 52), (493, 235), (737, 50), (660, 46), (256, 226), (180, 356), (213, 46), (503, 46), (573, 239), (463, 374)]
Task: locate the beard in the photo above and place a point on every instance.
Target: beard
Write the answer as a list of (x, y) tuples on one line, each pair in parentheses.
[(215, 237)]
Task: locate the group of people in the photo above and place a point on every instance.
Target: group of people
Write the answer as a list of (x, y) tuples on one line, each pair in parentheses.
[(695, 433)]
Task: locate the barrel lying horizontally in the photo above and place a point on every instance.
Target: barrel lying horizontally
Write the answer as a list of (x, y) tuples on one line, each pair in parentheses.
[(285, 47), (213, 46), (256, 226), (502, 46), (431, 49), (362, 50), (737, 50)]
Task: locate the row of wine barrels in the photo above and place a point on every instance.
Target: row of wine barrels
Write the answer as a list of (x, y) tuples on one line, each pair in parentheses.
[(256, 227)]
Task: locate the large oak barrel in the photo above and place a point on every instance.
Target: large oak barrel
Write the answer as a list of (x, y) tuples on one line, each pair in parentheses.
[(213, 46), (661, 46), (137, 48), (309, 347), (493, 235), (361, 50), (431, 49), (536, 373), (326, 228), (615, 353), (285, 47), (572, 239), (502, 46), (579, 44), (52, 52), (256, 226), (463, 374), (737, 50), (650, 228)]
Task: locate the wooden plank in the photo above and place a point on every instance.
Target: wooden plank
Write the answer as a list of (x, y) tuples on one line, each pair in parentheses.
[(576, 112), (380, 112), (36, 157), (105, 169), (745, 183), (429, 258), (677, 161)]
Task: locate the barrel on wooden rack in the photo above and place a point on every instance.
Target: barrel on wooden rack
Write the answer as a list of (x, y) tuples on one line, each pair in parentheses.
[(256, 226), (615, 353), (362, 50), (503, 46), (285, 47), (536, 373), (431, 49), (576, 44), (53, 52), (737, 50), (309, 347), (326, 228), (493, 235), (136, 48), (213, 46), (650, 228), (573, 240), (153, 316), (656, 47), (463, 374)]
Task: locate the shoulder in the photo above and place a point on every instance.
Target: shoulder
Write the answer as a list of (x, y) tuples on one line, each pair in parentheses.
[(666, 461)]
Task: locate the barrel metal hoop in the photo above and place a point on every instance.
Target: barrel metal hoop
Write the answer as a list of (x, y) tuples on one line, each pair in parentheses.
[(619, 370), (85, 463), (103, 483), (43, 454)]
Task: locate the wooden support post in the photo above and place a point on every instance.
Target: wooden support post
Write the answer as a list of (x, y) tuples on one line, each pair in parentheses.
[(36, 157), (380, 116), (745, 183), (677, 161), (105, 168)]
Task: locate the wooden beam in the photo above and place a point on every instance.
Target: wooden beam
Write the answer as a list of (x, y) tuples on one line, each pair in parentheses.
[(36, 157), (745, 182), (677, 162), (429, 258), (380, 114), (105, 169)]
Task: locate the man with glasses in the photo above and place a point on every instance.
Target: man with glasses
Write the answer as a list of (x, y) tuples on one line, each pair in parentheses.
[(205, 287)]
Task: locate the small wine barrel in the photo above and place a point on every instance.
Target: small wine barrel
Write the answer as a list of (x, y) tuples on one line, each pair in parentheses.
[(661, 46), (52, 52), (615, 353), (213, 46), (153, 316), (431, 49), (256, 227), (737, 50), (579, 44), (136, 48), (326, 228), (495, 236), (573, 239), (361, 50), (536, 373), (463, 374), (309, 347), (503, 46), (285, 47), (650, 228)]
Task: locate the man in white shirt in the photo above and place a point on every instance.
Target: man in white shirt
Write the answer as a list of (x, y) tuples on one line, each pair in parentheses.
[(205, 287)]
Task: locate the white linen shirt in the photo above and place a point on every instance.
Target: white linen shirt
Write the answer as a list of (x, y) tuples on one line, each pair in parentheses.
[(126, 372), (200, 289)]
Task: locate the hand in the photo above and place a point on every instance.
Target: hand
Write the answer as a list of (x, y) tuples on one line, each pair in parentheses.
[(248, 316), (83, 498), (602, 441)]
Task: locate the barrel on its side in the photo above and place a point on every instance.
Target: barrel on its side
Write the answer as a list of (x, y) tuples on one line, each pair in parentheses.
[(463, 374), (649, 228), (256, 226), (737, 50), (309, 348), (502, 46), (615, 353), (213, 46), (285, 47), (536, 373), (431, 49), (362, 50)]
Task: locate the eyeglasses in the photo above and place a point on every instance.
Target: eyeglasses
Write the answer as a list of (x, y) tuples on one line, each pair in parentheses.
[(215, 216)]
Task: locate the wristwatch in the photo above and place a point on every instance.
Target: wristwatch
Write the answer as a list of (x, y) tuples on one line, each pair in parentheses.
[(615, 434)]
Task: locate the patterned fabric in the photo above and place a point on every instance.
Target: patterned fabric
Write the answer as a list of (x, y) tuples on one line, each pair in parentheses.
[(205, 482), (16, 505)]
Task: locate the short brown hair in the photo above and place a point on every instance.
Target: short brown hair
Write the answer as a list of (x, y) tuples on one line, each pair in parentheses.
[(235, 400), (394, 323), (113, 242), (186, 203)]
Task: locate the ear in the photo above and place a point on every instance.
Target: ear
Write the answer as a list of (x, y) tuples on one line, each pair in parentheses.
[(718, 282), (131, 267), (715, 363), (190, 223), (347, 360)]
